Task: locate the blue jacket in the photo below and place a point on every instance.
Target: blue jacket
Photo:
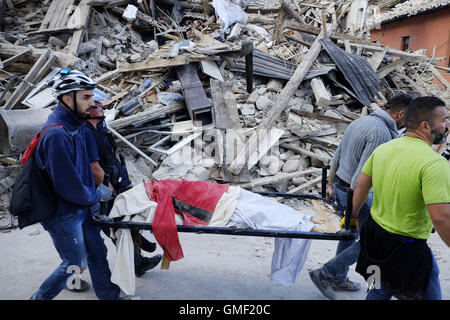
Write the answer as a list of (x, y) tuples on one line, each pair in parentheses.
[(61, 152)]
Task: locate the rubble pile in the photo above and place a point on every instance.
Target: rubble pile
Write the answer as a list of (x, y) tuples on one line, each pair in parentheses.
[(408, 8), (252, 92)]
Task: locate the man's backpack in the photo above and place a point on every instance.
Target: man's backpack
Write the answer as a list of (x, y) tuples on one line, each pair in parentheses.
[(33, 196)]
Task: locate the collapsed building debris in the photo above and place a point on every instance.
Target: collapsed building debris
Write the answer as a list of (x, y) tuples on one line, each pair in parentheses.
[(260, 98)]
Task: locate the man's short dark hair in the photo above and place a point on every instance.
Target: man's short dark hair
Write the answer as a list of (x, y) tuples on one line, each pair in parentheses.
[(398, 102), (421, 109)]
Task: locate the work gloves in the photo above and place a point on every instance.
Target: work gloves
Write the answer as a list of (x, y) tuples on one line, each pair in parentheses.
[(106, 192), (353, 224)]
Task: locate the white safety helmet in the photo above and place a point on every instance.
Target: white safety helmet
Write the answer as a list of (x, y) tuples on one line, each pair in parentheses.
[(68, 80)]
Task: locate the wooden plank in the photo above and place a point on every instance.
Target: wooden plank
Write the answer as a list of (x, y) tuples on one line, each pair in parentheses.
[(322, 214), (25, 86), (49, 15), (58, 21), (320, 116), (304, 152), (78, 35), (260, 143), (106, 76), (132, 146), (277, 178), (229, 129), (306, 185), (153, 64), (383, 72), (152, 112), (321, 141), (439, 76), (66, 15), (376, 59), (16, 57)]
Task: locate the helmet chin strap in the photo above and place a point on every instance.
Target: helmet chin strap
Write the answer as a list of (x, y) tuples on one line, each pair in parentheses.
[(75, 107)]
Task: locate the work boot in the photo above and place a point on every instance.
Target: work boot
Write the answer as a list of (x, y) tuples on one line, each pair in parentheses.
[(146, 264), (148, 246), (323, 283), (345, 285), (84, 286)]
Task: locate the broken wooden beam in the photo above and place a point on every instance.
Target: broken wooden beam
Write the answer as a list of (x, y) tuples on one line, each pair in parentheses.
[(36, 71), (320, 116), (145, 116), (277, 178), (199, 106), (307, 153), (16, 57), (132, 146), (153, 64)]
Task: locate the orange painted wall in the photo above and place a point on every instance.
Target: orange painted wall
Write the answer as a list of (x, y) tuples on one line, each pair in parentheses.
[(424, 31)]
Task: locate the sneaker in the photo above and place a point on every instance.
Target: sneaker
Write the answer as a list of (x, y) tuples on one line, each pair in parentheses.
[(147, 264), (84, 286), (323, 283), (345, 285)]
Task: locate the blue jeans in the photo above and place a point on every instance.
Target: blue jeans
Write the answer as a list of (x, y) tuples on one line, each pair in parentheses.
[(433, 291), (347, 251), (77, 241)]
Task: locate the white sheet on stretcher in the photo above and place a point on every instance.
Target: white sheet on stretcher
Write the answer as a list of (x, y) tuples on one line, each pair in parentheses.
[(237, 207)]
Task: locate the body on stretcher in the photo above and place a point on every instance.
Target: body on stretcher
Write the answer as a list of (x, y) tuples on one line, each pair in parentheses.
[(204, 215), (250, 214), (340, 235)]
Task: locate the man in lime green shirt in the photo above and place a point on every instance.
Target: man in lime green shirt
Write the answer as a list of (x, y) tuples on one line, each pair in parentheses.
[(411, 188)]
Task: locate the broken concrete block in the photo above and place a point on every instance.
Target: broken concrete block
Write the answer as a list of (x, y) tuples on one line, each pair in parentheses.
[(104, 60), (247, 109), (54, 41), (274, 85), (135, 57), (235, 32), (111, 54), (106, 42), (307, 107), (86, 47), (291, 165), (253, 97), (263, 103)]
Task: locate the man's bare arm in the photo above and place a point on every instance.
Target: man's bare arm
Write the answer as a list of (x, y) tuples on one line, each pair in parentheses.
[(440, 216), (360, 193)]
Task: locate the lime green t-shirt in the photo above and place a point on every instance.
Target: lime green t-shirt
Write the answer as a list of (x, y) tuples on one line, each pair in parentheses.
[(406, 176)]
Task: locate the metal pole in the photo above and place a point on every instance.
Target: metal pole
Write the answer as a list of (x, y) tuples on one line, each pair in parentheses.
[(324, 181), (232, 231), (348, 210), (249, 69), (132, 146)]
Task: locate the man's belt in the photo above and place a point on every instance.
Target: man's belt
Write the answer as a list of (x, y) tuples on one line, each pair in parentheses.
[(341, 183)]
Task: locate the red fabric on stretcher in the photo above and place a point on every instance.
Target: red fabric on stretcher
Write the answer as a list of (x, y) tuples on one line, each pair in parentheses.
[(201, 194)]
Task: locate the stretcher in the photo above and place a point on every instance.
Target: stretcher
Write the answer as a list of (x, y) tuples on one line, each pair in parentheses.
[(345, 234)]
